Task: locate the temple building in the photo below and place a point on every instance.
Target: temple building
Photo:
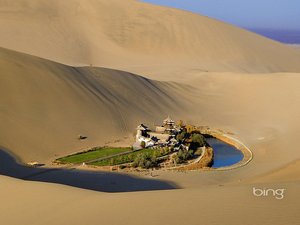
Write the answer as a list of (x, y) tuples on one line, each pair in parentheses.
[(163, 135), (142, 130), (142, 135), (168, 124)]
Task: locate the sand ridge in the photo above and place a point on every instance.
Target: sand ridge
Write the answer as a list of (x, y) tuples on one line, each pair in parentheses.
[(47, 102), (161, 61), (137, 37)]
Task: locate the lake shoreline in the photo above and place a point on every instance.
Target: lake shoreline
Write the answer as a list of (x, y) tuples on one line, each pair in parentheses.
[(219, 135), (248, 155)]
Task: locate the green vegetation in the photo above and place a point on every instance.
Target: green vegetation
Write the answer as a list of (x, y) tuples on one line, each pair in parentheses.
[(145, 158), (181, 136), (184, 155), (143, 144), (198, 140), (194, 140), (92, 154), (190, 139), (145, 161)]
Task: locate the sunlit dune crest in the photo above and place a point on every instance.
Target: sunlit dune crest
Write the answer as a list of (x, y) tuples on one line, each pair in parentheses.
[(97, 69)]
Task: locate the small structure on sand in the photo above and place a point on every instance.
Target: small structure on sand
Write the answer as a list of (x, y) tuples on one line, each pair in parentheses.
[(163, 135), (143, 136), (169, 125)]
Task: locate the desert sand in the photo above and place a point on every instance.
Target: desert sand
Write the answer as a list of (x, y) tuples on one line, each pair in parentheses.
[(295, 46), (137, 37), (98, 68)]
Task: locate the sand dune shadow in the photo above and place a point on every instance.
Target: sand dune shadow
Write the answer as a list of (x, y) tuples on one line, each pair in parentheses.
[(97, 181)]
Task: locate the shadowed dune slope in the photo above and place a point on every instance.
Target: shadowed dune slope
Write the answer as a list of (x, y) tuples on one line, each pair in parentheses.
[(46, 105), (136, 37)]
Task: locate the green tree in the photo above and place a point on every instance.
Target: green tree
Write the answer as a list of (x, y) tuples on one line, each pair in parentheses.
[(143, 144), (181, 136), (198, 140)]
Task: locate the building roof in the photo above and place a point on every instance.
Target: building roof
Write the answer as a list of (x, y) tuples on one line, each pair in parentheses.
[(169, 120), (142, 127)]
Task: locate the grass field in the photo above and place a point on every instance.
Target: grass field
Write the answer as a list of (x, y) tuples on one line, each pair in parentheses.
[(92, 154), (128, 158)]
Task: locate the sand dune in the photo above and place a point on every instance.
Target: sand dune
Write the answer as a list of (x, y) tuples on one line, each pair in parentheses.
[(288, 173), (137, 37), (53, 204), (295, 46), (46, 105), (218, 75), (261, 109)]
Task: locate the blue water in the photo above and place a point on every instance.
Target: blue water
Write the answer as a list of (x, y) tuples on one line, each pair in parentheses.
[(224, 154)]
